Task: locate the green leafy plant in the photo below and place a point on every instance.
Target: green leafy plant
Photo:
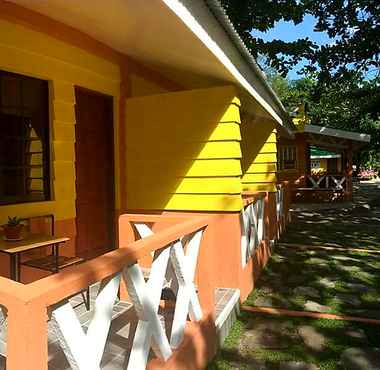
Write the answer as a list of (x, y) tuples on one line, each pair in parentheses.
[(13, 228), (13, 221)]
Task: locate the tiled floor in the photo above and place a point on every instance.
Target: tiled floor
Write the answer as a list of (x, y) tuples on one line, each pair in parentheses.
[(119, 341), (222, 297)]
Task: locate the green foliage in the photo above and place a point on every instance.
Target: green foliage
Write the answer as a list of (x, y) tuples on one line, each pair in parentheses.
[(353, 25), (350, 103), (13, 221)]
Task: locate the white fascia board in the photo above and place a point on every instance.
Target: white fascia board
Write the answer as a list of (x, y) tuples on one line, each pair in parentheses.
[(325, 156), (342, 134), (200, 25)]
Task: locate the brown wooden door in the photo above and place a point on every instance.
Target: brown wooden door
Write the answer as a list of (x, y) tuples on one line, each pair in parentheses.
[(94, 173)]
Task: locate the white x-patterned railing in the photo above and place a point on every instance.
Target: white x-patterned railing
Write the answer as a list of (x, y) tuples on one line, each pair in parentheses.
[(174, 251), (252, 228), (280, 193), (335, 182)]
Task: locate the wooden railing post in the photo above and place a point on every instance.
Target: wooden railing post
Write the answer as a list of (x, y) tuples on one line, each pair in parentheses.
[(27, 337)]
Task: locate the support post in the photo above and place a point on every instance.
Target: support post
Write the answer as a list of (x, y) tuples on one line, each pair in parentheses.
[(348, 173)]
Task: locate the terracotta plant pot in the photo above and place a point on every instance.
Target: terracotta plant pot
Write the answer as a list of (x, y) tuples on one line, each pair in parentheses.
[(12, 232)]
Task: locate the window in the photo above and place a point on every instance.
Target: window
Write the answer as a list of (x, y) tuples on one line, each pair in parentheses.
[(286, 157), (24, 139)]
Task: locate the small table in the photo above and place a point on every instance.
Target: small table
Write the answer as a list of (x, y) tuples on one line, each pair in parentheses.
[(30, 241)]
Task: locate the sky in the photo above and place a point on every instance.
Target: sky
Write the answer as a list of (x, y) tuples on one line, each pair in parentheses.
[(287, 31)]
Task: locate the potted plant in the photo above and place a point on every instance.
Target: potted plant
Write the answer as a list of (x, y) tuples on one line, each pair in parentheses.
[(13, 228)]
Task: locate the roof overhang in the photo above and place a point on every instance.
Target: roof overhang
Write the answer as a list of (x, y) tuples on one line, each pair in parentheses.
[(331, 138), (191, 42)]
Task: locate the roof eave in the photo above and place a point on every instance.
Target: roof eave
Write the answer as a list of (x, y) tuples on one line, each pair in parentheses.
[(203, 26)]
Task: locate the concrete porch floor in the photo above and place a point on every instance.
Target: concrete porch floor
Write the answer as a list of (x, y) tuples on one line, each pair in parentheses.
[(123, 320)]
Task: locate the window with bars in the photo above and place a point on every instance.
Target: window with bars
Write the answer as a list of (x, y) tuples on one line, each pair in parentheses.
[(24, 139), (286, 157)]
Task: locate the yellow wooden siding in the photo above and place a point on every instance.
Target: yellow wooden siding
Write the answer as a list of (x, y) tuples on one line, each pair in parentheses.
[(35, 54), (259, 161), (187, 156), (186, 168), (189, 202)]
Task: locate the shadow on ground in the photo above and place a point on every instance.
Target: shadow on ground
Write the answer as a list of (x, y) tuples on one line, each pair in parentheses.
[(332, 281)]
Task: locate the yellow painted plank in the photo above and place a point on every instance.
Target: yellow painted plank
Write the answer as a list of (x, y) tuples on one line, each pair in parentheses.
[(186, 202), (259, 177), (262, 168), (220, 149), (269, 148), (232, 114), (270, 187), (266, 158), (63, 169), (26, 210), (63, 131), (42, 44), (209, 186), (64, 91), (63, 112), (171, 169), (20, 61), (207, 150), (65, 209), (226, 131), (64, 189), (63, 151), (216, 185), (236, 101), (272, 138)]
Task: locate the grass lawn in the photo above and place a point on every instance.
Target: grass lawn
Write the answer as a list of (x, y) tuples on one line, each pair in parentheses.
[(338, 336), (343, 282)]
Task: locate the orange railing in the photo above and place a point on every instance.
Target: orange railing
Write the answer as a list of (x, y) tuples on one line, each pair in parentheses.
[(29, 307)]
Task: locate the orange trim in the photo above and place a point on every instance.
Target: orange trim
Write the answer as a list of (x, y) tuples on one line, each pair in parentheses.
[(314, 315), (341, 248)]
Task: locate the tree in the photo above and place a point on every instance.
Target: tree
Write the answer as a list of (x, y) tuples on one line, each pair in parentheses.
[(353, 25)]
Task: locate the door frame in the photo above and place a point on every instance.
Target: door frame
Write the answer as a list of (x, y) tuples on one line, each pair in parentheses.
[(111, 119)]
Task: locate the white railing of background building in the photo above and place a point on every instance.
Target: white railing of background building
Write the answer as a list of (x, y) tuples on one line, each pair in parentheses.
[(280, 202), (327, 182)]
